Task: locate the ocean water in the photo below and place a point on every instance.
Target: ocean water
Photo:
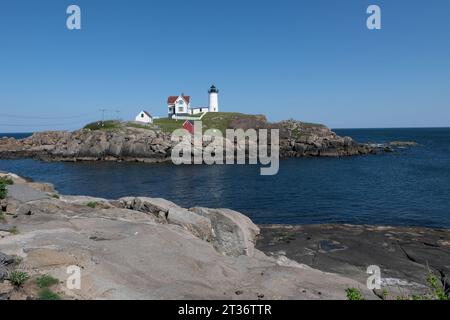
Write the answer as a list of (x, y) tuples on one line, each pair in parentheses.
[(409, 187)]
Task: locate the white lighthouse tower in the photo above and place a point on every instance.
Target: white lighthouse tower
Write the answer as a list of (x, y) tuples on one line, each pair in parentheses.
[(213, 99)]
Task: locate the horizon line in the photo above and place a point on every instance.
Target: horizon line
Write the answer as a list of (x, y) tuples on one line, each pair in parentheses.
[(347, 128)]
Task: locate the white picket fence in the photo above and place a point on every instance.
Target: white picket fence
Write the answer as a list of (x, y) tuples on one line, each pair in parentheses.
[(175, 117)]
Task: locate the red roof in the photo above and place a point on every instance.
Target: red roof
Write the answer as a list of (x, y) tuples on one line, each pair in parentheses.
[(147, 114), (172, 99), (189, 126)]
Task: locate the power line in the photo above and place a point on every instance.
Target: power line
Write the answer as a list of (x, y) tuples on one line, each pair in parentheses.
[(7, 115), (39, 125), (103, 115), (103, 111)]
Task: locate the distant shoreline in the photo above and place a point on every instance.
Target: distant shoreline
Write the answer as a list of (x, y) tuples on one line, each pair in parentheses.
[(30, 133)]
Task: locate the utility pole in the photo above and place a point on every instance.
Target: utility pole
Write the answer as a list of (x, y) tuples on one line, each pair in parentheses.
[(103, 115)]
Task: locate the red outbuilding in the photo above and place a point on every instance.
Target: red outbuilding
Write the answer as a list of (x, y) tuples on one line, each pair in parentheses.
[(189, 126)]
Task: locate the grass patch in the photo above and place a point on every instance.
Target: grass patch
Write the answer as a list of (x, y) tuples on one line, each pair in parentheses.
[(3, 190), (353, 294), (313, 125), (211, 120), (46, 281), (92, 204), (103, 125), (115, 125), (2, 217), (47, 294), (437, 289), (221, 120), (55, 196), (140, 126), (169, 125), (14, 230), (18, 278)]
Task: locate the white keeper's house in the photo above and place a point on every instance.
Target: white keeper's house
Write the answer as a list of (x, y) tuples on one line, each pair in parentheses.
[(144, 117), (181, 105)]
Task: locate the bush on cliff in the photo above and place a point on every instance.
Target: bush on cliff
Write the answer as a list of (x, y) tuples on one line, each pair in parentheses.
[(92, 204), (354, 294), (18, 278), (47, 294), (3, 190), (46, 281), (6, 181)]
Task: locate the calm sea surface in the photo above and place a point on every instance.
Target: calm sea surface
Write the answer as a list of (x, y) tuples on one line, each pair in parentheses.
[(409, 187)]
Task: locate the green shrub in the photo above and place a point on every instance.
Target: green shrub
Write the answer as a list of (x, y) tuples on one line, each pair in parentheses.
[(437, 290), (6, 181), (3, 190), (47, 294), (18, 278), (354, 294), (46, 281), (92, 204)]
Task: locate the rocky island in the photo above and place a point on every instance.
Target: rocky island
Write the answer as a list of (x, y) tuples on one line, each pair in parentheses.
[(128, 141), (149, 248)]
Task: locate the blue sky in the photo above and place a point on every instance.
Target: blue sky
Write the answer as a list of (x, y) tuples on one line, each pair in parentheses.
[(313, 60)]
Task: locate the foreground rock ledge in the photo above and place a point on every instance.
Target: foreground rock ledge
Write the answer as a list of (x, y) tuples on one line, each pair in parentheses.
[(405, 255), (146, 248)]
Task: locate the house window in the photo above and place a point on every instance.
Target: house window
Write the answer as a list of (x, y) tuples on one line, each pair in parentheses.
[(180, 109), (142, 115), (180, 102)]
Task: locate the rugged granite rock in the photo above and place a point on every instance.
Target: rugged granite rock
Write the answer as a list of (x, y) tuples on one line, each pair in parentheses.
[(406, 256), (130, 144), (234, 233), (297, 139), (151, 248), (146, 248)]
